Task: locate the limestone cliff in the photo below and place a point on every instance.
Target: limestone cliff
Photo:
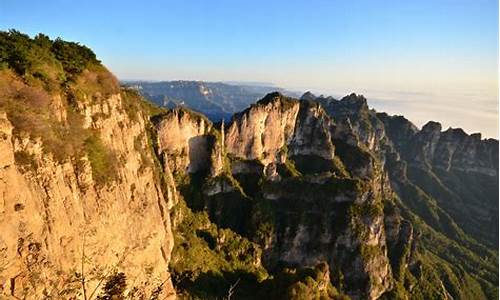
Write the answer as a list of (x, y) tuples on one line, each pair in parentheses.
[(81, 197), (445, 180), (57, 222), (188, 142), (261, 131), (322, 215)]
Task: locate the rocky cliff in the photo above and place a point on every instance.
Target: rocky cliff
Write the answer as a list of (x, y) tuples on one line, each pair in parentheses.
[(60, 226), (319, 213), (81, 200), (447, 180)]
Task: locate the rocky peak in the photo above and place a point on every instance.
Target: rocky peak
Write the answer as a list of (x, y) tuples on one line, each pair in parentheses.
[(273, 96), (188, 142), (261, 131), (355, 102), (312, 136), (431, 127), (302, 185), (454, 148), (308, 96)]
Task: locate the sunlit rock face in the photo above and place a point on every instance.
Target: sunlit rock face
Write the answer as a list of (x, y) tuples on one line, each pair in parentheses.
[(262, 131), (187, 140), (64, 231), (278, 128), (317, 217)]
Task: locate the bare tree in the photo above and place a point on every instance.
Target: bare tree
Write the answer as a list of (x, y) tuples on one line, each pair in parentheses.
[(83, 270), (231, 290)]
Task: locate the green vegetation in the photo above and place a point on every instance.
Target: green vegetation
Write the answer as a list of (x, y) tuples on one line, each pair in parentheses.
[(73, 56), (29, 110), (92, 85), (25, 160), (286, 102), (102, 160), (441, 262), (306, 190), (131, 103), (262, 222), (39, 58), (206, 259), (455, 205), (353, 158), (42, 83), (313, 164), (308, 283), (219, 239)]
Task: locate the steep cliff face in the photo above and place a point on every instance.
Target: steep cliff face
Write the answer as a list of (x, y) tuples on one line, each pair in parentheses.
[(458, 170), (59, 222), (188, 142), (261, 131), (446, 180), (81, 200), (312, 135), (104, 194), (353, 111), (279, 128), (284, 187), (318, 212), (453, 149)]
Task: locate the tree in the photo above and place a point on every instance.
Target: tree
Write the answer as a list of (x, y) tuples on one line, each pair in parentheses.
[(114, 287)]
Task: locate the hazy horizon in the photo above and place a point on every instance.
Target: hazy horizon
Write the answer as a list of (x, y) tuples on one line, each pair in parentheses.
[(427, 60), (418, 107)]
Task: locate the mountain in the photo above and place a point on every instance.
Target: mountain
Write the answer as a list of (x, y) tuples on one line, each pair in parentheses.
[(457, 171), (83, 205), (216, 100), (107, 196)]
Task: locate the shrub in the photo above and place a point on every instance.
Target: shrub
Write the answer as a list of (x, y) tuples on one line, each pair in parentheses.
[(114, 288), (102, 160), (95, 82), (25, 160), (42, 58), (73, 56)]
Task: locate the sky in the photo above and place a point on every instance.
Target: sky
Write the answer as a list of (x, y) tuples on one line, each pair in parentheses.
[(428, 59)]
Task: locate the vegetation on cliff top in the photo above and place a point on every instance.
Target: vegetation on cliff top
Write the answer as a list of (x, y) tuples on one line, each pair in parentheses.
[(42, 83), (42, 58)]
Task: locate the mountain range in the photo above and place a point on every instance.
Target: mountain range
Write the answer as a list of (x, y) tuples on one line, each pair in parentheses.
[(105, 195), (216, 100)]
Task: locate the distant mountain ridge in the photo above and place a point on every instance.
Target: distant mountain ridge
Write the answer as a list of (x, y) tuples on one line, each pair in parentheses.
[(217, 100)]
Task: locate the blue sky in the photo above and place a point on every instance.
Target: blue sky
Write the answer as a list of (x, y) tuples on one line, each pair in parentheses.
[(427, 55)]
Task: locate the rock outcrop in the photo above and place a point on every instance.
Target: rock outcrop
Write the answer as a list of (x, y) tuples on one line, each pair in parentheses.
[(65, 231), (316, 216), (261, 131), (446, 179), (188, 142)]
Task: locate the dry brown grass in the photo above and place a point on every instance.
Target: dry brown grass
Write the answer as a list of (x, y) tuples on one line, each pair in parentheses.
[(96, 82)]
